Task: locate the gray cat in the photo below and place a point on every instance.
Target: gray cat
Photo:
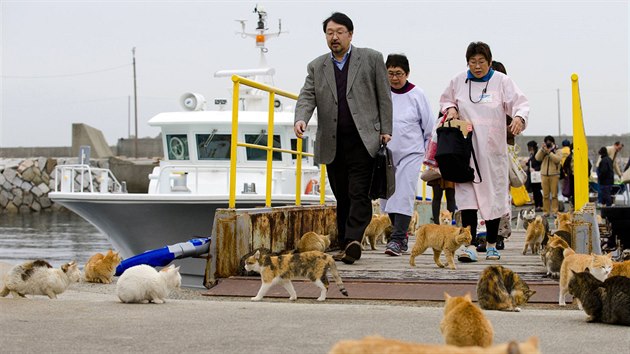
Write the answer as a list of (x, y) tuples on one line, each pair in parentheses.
[(607, 301)]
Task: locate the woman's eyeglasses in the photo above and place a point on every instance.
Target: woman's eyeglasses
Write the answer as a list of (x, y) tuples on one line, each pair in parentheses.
[(397, 74)]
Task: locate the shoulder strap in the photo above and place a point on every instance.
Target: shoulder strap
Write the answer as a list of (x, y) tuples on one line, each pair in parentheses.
[(474, 159)]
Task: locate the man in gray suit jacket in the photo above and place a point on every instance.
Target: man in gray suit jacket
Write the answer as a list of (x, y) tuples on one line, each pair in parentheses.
[(350, 90)]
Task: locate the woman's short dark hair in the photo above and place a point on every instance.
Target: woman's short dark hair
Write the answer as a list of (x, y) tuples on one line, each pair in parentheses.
[(341, 19), (397, 61), (532, 144), (498, 66), (549, 138), (475, 48)]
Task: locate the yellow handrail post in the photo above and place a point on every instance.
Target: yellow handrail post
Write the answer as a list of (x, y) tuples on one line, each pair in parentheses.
[(322, 184), (233, 142), (580, 149), (272, 98)]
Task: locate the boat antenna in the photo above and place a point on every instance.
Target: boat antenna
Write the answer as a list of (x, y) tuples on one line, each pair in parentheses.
[(261, 35)]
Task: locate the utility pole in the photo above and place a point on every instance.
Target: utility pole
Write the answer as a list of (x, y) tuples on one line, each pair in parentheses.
[(129, 117), (558, 95), (135, 103)]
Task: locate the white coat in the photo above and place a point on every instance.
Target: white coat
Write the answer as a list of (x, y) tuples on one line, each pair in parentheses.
[(502, 97), (412, 127)]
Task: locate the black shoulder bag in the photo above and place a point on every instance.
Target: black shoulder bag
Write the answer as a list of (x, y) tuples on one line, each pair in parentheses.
[(453, 154)]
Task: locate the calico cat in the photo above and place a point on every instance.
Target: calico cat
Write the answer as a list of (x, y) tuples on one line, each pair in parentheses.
[(607, 301), (464, 324), (376, 344), (312, 241), (620, 268), (600, 267), (446, 217), (499, 288), (143, 284), (440, 238), (281, 269), (534, 235), (39, 278), (100, 268), (377, 227)]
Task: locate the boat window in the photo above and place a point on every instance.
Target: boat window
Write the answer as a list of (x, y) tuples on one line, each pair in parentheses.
[(294, 146), (213, 146), (261, 139), (177, 146)]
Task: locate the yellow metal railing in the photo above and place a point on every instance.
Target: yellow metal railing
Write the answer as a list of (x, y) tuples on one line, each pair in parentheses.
[(580, 149), (269, 148)]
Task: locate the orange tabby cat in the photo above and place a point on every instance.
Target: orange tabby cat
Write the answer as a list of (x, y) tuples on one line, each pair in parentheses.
[(446, 217), (378, 345), (312, 241), (440, 238), (599, 266), (100, 268), (534, 235), (464, 324), (377, 227), (620, 268), (563, 222)]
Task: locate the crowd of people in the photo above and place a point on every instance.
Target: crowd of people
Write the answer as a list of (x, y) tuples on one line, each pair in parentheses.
[(364, 102)]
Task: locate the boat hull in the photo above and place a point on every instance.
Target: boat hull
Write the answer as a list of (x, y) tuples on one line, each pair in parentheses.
[(135, 223)]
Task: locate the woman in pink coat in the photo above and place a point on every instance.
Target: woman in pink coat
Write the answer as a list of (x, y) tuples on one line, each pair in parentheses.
[(484, 97)]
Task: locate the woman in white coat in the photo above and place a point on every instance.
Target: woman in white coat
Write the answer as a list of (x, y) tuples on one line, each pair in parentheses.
[(484, 97), (412, 127)]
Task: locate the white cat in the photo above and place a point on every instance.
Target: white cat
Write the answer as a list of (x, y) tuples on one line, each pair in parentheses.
[(143, 284), (39, 278)]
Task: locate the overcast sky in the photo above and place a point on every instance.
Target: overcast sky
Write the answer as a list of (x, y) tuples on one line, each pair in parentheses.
[(65, 62)]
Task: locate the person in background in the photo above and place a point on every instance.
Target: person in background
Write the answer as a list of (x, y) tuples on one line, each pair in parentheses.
[(349, 88), (550, 158), (412, 128), (534, 165), (605, 176), (483, 97), (613, 151)]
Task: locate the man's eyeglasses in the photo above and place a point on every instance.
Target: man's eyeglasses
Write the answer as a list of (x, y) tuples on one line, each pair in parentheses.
[(331, 34), (397, 74)]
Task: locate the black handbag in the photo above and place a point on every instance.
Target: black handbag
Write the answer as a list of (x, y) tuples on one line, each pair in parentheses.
[(453, 155), (383, 183)]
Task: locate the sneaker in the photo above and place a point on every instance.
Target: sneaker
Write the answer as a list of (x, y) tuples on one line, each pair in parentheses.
[(469, 255), (482, 246), (404, 246), (393, 248), (492, 254), (352, 253)]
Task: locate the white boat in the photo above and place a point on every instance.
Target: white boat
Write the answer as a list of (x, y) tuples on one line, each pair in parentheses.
[(192, 180)]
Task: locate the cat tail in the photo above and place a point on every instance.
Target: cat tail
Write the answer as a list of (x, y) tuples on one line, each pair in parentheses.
[(5, 291), (335, 274)]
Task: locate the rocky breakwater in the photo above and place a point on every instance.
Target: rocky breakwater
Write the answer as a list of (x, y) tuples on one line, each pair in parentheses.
[(25, 183)]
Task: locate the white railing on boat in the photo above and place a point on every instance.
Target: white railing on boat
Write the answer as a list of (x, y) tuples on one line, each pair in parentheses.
[(66, 180)]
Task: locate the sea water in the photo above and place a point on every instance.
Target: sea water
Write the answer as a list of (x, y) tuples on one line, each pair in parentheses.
[(57, 237)]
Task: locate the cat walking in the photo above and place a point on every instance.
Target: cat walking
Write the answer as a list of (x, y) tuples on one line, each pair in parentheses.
[(282, 269), (39, 278), (312, 241), (440, 238)]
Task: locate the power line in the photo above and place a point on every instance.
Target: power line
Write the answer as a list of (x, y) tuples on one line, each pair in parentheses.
[(63, 75)]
